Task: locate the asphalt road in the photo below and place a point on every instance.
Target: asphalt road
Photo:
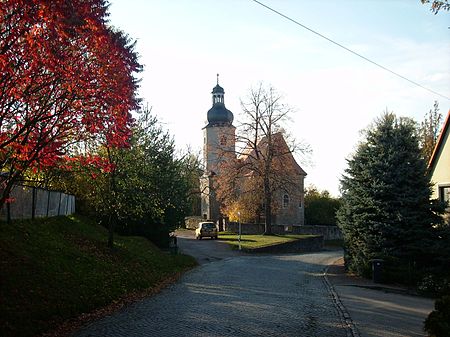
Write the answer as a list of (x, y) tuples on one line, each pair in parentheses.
[(236, 295)]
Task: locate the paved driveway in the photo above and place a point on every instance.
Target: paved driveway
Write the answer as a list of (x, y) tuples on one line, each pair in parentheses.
[(236, 296)]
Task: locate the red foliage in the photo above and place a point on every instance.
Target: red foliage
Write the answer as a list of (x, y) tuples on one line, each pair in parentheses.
[(65, 77)]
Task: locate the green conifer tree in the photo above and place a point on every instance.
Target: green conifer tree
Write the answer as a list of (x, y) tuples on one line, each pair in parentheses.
[(386, 210)]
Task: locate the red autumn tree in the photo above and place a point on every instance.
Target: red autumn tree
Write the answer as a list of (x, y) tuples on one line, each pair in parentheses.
[(66, 77)]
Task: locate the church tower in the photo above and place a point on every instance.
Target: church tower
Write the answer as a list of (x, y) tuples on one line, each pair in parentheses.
[(218, 144)]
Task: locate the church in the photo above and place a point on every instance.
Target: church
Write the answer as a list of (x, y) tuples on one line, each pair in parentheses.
[(219, 137)]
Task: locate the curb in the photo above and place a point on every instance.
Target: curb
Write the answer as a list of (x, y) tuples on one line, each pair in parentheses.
[(346, 320)]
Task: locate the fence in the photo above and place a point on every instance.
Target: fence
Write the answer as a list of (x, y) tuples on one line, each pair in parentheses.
[(35, 202)]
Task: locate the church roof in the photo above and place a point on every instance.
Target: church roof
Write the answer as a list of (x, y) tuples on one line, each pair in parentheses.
[(218, 114), (284, 157), (218, 89)]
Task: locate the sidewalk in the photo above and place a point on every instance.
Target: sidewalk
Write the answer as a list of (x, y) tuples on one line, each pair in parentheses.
[(377, 310)]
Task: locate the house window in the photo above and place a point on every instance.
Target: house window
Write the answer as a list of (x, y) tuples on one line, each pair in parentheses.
[(285, 201), (444, 194)]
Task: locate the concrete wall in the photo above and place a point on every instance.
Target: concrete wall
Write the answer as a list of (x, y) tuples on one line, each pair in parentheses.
[(34, 202)]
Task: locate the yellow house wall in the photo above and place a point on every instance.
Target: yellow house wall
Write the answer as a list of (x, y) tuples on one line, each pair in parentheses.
[(441, 172)]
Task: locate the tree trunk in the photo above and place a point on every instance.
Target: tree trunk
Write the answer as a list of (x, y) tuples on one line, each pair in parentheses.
[(112, 200), (6, 191)]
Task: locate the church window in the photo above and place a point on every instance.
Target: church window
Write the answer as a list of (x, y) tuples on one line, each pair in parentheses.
[(223, 140), (285, 201)]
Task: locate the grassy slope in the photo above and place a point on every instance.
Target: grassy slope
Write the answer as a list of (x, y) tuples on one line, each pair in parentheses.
[(55, 269), (255, 241)]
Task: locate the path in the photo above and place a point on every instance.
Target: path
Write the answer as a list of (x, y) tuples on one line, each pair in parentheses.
[(379, 310)]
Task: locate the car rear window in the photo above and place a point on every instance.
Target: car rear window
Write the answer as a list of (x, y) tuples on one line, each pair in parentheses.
[(208, 225)]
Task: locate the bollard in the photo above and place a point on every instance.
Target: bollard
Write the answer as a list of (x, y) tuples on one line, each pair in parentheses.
[(173, 246)]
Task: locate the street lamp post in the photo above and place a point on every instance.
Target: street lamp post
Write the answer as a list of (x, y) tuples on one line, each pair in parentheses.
[(239, 222)]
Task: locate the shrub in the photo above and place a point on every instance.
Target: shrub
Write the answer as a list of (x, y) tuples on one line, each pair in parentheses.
[(437, 323)]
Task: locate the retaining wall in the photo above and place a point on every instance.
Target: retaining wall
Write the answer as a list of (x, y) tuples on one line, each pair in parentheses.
[(328, 232), (306, 245)]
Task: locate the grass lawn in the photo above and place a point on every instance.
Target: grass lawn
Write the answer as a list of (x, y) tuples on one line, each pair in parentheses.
[(58, 268), (256, 241)]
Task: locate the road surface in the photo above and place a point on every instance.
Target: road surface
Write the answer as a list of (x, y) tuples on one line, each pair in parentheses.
[(236, 295)]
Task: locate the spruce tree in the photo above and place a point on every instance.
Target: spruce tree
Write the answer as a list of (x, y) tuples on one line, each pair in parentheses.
[(386, 211)]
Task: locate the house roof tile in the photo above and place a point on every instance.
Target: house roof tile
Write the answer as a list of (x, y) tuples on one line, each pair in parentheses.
[(440, 143)]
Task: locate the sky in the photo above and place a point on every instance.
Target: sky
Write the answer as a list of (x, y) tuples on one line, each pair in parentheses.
[(334, 94)]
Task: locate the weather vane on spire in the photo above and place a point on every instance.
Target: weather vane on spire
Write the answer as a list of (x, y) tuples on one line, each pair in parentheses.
[(217, 79)]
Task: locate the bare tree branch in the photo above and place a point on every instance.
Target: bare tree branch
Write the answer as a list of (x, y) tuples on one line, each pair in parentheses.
[(264, 162)]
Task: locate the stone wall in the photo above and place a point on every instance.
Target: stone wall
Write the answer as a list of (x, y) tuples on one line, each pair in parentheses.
[(246, 228), (328, 232), (191, 222)]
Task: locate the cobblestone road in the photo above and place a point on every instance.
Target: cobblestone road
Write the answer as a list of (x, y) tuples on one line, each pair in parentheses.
[(241, 296), (206, 250)]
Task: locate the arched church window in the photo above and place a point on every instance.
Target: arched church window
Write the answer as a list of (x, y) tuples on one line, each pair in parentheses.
[(285, 201)]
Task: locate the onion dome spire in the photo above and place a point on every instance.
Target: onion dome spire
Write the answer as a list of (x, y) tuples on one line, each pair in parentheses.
[(218, 115)]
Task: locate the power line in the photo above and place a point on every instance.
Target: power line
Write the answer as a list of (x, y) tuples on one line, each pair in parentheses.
[(349, 50)]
